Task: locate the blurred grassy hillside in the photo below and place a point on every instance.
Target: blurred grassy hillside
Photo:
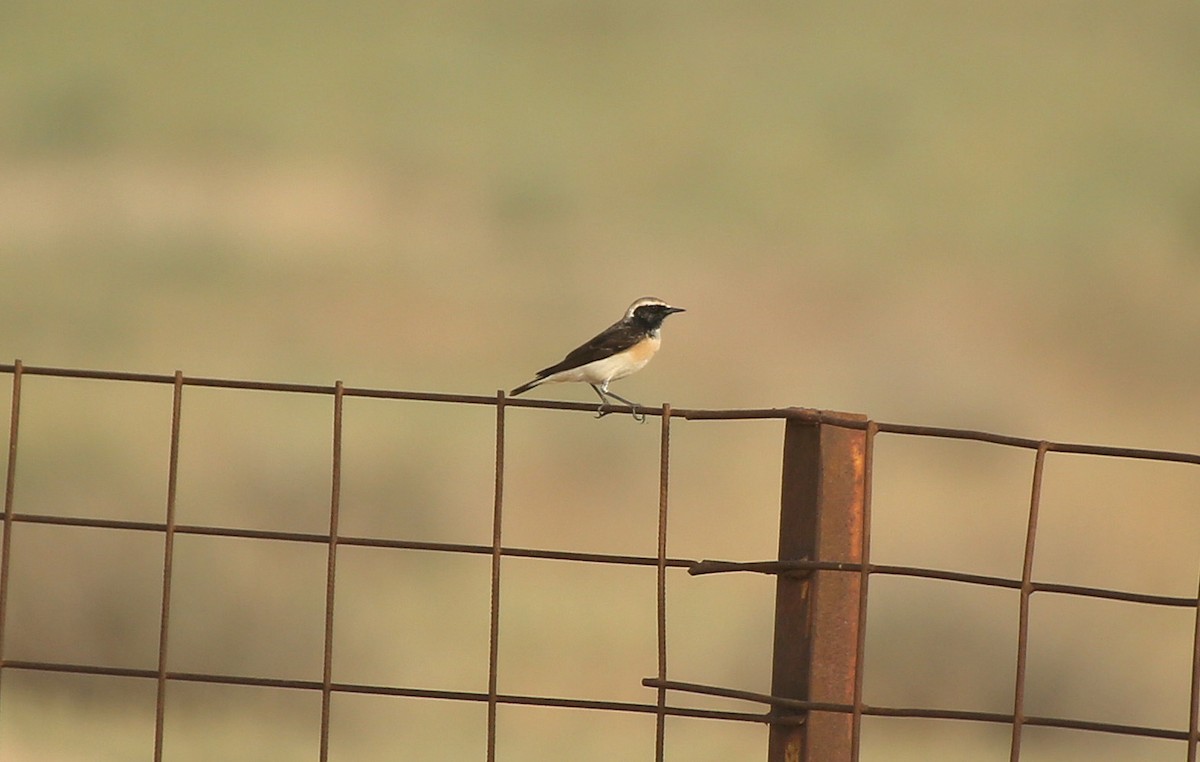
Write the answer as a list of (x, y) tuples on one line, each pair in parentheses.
[(970, 215)]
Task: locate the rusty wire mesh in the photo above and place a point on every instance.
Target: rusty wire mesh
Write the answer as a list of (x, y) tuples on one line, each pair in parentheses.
[(777, 710)]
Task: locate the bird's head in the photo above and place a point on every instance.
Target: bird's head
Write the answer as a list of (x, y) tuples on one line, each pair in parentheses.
[(650, 311)]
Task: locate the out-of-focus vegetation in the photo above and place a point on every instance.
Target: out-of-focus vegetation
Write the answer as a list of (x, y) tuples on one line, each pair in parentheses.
[(948, 213)]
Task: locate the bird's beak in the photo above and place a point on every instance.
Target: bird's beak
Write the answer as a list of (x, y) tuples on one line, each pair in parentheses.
[(673, 310)]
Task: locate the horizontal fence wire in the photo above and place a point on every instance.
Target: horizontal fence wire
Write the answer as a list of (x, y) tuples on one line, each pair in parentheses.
[(912, 712), (695, 567), (784, 567), (383, 690), (691, 414)]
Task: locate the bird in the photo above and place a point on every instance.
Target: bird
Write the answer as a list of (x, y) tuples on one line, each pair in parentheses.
[(619, 350)]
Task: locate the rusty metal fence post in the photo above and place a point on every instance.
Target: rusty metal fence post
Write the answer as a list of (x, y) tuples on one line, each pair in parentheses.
[(817, 613)]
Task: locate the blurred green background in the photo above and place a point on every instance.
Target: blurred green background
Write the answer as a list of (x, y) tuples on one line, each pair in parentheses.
[(963, 214)]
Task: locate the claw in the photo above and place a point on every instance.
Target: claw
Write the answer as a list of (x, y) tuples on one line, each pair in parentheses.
[(603, 393)]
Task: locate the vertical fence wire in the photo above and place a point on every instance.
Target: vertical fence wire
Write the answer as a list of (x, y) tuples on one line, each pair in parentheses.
[(160, 703), (494, 626), (864, 577), (331, 568), (9, 486), (1035, 499), (1194, 713), (664, 472)]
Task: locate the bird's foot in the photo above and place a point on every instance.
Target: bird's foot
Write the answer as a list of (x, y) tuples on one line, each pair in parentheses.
[(604, 410)]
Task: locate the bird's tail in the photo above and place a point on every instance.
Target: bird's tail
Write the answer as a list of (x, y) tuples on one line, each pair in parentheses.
[(525, 387)]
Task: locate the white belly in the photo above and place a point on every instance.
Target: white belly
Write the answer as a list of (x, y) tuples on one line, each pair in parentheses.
[(601, 372)]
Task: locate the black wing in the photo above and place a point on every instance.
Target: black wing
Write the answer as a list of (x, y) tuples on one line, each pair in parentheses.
[(616, 338)]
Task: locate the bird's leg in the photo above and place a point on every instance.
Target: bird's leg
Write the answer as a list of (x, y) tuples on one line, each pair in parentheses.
[(639, 417), (603, 409)]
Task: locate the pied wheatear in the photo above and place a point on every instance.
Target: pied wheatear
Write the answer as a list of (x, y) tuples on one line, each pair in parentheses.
[(623, 348)]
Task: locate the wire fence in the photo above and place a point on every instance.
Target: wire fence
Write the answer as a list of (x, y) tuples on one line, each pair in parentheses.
[(823, 572)]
